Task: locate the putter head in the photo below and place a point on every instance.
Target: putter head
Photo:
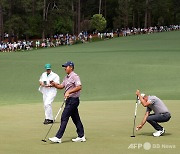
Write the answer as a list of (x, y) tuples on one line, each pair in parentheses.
[(44, 140), (132, 136)]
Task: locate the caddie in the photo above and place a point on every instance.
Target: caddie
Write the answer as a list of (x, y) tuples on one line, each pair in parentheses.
[(49, 92)]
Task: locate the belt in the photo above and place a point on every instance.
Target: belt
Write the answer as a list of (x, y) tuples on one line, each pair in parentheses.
[(164, 113), (73, 98)]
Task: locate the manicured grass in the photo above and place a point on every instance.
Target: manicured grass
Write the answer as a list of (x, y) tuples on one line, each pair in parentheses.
[(109, 70), (108, 127)]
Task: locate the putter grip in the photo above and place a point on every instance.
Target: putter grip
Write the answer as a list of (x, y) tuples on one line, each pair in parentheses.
[(136, 99)]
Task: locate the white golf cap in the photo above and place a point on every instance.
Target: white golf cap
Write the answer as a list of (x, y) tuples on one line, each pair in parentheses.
[(142, 94)]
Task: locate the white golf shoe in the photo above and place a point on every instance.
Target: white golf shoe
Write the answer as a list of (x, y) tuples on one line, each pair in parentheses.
[(79, 139), (159, 133), (55, 140)]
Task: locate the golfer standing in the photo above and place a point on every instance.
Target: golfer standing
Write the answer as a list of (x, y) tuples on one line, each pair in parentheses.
[(72, 86), (49, 92), (161, 113)]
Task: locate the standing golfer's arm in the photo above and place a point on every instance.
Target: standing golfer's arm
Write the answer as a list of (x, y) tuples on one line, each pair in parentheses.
[(58, 86), (76, 89)]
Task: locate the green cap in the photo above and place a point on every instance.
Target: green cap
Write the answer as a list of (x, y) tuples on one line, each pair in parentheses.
[(47, 66)]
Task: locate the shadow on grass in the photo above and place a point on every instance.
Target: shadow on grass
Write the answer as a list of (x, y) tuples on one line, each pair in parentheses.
[(67, 140), (52, 143), (166, 134), (145, 134), (151, 134)]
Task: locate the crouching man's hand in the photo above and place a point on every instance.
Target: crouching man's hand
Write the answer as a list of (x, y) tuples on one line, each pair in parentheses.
[(138, 127)]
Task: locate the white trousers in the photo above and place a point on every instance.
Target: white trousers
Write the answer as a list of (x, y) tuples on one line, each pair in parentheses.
[(48, 98)]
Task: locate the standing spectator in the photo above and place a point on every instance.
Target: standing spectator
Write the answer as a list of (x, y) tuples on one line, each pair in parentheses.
[(37, 44)]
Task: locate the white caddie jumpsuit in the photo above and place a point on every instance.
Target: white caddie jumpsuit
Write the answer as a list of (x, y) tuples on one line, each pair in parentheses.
[(49, 93)]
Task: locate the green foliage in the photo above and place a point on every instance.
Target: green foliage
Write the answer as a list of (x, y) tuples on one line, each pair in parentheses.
[(162, 12), (26, 17), (132, 13), (121, 20), (59, 18), (34, 25), (15, 24), (63, 25), (98, 22)]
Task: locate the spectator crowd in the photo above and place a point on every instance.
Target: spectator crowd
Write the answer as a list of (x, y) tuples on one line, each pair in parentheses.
[(83, 37)]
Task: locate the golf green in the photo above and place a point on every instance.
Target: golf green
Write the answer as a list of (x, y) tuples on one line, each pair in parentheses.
[(110, 71), (108, 127)]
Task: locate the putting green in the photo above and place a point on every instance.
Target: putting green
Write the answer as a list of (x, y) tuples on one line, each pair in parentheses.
[(108, 127)]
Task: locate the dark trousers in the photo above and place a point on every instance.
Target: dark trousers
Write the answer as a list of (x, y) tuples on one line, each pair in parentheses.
[(71, 110), (154, 119)]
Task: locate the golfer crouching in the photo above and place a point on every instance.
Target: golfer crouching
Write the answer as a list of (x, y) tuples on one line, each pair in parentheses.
[(72, 86), (161, 113)]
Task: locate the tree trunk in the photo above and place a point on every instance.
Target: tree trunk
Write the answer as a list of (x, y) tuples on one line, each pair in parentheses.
[(76, 18), (133, 18), (149, 19), (1, 24), (79, 16), (138, 19), (174, 18), (105, 10), (100, 6), (33, 7), (126, 13), (146, 14), (72, 17), (9, 16), (44, 19)]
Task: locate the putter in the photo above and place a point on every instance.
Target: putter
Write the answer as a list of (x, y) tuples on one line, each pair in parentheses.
[(135, 117), (44, 140)]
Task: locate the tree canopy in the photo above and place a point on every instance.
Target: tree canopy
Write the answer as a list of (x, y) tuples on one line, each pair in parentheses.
[(44, 18), (98, 22)]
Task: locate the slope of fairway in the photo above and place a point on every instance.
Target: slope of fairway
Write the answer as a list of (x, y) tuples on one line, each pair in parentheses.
[(108, 127), (109, 70)]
